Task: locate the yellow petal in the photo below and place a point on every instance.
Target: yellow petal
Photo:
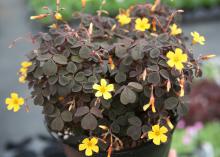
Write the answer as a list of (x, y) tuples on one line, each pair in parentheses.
[(8, 101), (107, 95), (178, 52), (98, 94), (103, 82), (94, 141), (171, 63), (156, 140), (10, 107), (170, 54), (82, 147), (163, 130), (184, 58), (163, 138), (137, 21), (151, 135), (179, 66), (20, 101), (88, 152), (95, 149), (110, 87), (96, 86), (156, 128), (14, 95), (16, 108), (85, 141), (145, 20)]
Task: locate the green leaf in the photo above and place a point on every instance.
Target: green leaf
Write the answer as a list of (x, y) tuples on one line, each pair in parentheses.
[(50, 68), (89, 122), (127, 96), (63, 80), (95, 111), (164, 73), (137, 87), (120, 77), (171, 103), (71, 67), (182, 109), (135, 121), (80, 76), (154, 78), (115, 128), (57, 124), (134, 132), (81, 111), (44, 57), (48, 109), (127, 60), (38, 72), (120, 51), (67, 116), (137, 52), (39, 100), (76, 88), (154, 53), (60, 59), (59, 40), (76, 59), (52, 80), (84, 52)]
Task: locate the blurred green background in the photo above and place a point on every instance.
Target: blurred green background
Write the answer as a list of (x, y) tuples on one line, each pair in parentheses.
[(112, 6)]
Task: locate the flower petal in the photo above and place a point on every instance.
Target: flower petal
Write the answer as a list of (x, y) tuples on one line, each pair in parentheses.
[(156, 128), (171, 63), (95, 149), (151, 135), (163, 138), (184, 58), (88, 152), (156, 140), (96, 86), (163, 130), (98, 94), (103, 82), (85, 141), (179, 66), (178, 52), (82, 147), (110, 88), (8, 101), (14, 95), (10, 107), (94, 141), (170, 54), (20, 101), (16, 108), (107, 95)]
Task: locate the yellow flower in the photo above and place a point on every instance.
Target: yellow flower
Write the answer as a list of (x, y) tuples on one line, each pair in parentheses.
[(53, 26), (104, 89), (175, 30), (197, 38), (158, 134), (142, 24), (123, 19), (14, 103), (26, 64), (22, 79), (58, 16), (176, 59), (90, 146)]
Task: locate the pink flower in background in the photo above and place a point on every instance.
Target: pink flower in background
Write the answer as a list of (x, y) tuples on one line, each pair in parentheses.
[(181, 124)]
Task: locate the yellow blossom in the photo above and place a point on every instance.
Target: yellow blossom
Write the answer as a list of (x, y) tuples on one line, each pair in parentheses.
[(123, 19), (142, 24), (58, 16), (26, 64), (158, 134), (89, 146), (15, 102), (197, 38), (104, 89), (175, 30), (176, 59), (53, 26), (22, 79)]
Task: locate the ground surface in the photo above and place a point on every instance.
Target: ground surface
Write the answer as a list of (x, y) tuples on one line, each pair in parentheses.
[(14, 23)]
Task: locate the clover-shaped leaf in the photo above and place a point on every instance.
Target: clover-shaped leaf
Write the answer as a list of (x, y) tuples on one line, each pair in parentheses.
[(127, 96)]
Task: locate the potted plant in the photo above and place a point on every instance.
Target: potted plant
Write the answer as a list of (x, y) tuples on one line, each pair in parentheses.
[(111, 87)]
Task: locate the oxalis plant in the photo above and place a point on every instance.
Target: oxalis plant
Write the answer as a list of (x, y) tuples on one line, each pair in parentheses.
[(111, 84)]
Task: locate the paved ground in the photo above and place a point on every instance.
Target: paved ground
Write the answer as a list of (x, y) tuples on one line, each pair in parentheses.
[(14, 23)]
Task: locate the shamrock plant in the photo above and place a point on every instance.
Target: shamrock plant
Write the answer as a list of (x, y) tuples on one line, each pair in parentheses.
[(111, 83)]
